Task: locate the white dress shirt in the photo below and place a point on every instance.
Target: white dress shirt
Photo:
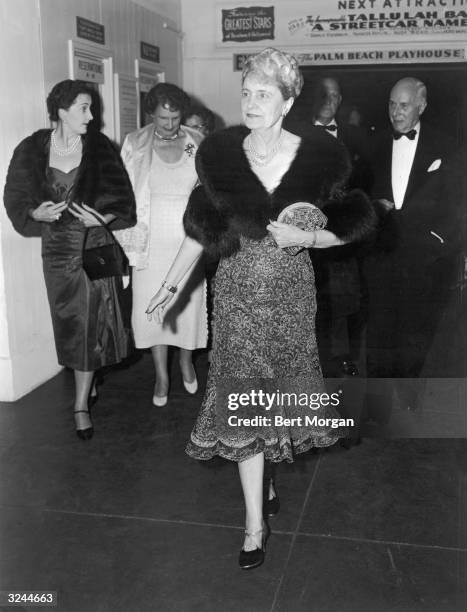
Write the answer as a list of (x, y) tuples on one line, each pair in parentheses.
[(403, 153), (333, 122)]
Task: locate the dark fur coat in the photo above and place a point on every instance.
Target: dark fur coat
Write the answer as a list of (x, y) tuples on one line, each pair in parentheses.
[(232, 201), (102, 182)]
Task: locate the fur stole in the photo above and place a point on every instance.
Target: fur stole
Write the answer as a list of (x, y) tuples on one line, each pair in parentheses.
[(101, 182), (232, 201)]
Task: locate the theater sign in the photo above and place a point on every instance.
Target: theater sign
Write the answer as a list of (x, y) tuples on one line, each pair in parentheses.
[(375, 19), (353, 31), (295, 22), (392, 55)]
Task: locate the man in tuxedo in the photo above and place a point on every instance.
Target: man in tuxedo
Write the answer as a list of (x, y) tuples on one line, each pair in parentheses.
[(326, 100), (339, 319), (341, 302), (413, 261)]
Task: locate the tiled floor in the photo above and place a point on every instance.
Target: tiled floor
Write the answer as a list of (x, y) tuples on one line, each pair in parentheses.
[(128, 522)]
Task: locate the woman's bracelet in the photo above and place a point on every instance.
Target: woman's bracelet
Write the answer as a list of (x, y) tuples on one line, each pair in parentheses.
[(171, 288)]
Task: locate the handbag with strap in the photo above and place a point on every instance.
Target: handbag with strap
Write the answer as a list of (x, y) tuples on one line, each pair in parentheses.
[(105, 261)]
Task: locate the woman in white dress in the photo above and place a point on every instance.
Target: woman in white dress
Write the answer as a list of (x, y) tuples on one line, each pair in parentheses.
[(160, 160)]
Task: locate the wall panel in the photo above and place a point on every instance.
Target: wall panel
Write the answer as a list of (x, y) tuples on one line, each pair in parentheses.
[(119, 19), (26, 331)]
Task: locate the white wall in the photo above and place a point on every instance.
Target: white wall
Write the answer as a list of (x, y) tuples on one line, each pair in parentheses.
[(27, 353), (207, 69), (33, 47)]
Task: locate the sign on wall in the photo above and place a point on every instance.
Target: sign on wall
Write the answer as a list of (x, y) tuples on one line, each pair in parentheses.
[(239, 59), (90, 30), (418, 55), (334, 23), (149, 52), (358, 55), (87, 67), (376, 19), (247, 24)]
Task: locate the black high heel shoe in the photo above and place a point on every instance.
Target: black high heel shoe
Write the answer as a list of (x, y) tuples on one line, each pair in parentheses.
[(249, 559), (272, 506), (84, 434)]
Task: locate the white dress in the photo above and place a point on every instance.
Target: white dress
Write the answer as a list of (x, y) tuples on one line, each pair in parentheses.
[(185, 320)]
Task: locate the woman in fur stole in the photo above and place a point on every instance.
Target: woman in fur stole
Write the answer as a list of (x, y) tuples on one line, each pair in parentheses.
[(265, 377), (58, 181)]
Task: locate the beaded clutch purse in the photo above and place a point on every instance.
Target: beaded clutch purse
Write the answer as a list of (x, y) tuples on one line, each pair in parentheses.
[(304, 215)]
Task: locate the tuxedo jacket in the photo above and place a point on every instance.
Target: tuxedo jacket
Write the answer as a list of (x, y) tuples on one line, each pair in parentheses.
[(355, 140), (336, 270), (413, 262), (425, 230), (457, 190), (358, 145)]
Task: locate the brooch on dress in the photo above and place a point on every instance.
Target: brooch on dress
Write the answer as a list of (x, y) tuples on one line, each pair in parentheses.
[(190, 149)]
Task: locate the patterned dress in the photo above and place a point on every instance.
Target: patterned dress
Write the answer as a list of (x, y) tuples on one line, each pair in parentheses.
[(264, 340)]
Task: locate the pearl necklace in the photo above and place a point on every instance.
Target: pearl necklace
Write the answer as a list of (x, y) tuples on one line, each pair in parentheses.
[(68, 150), (174, 137), (260, 159)]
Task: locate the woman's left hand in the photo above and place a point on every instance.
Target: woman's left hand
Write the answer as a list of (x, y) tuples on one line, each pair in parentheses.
[(155, 309), (87, 218), (286, 235)]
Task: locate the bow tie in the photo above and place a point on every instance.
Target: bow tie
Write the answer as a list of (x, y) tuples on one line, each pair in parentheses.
[(410, 135), (330, 128)]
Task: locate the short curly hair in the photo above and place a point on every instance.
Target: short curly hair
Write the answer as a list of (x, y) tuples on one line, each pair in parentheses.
[(281, 68), (167, 95), (206, 116), (63, 95)]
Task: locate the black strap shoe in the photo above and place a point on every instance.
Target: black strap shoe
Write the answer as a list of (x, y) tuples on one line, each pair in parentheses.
[(249, 559)]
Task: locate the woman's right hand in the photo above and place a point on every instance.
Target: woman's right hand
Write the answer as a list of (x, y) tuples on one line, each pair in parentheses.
[(155, 309), (48, 212)]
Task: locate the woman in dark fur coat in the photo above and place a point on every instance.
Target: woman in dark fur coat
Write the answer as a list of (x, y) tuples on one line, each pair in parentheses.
[(264, 308), (58, 180)]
